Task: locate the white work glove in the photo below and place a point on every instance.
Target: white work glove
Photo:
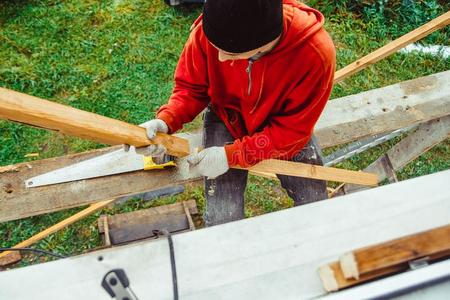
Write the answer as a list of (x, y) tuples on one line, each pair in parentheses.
[(210, 162), (152, 127)]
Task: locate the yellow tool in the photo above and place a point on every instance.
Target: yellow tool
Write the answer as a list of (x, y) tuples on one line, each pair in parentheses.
[(150, 164)]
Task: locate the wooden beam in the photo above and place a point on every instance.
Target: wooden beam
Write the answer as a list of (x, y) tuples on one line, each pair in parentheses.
[(34, 111), (416, 143), (384, 110), (64, 223), (392, 47), (290, 168), (344, 120), (431, 244)]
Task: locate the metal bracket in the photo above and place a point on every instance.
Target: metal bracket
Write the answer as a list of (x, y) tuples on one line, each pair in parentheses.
[(117, 285), (419, 263)]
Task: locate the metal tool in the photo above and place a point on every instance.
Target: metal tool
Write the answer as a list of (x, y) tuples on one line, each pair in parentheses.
[(361, 146), (116, 162), (121, 161), (117, 285)]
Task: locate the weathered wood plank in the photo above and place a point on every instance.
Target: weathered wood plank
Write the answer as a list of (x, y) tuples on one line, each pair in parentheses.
[(416, 143), (10, 258), (344, 120), (34, 111), (137, 231), (383, 110), (121, 220), (274, 256), (17, 201)]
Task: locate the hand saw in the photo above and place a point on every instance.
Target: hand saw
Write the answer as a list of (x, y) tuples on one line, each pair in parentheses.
[(116, 162)]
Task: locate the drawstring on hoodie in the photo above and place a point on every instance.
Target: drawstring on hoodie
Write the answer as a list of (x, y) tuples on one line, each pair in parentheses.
[(249, 73)]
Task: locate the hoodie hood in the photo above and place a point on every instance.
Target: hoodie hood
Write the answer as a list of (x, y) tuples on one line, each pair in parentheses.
[(300, 23)]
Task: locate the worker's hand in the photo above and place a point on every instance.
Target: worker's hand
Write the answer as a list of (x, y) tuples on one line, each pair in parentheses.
[(152, 127), (211, 162)]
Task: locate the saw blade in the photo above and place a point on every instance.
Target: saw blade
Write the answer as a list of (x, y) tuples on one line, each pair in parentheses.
[(116, 162)]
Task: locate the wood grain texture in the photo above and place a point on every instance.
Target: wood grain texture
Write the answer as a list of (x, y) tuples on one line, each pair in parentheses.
[(397, 253), (124, 219), (383, 110), (312, 171), (9, 258), (393, 47), (343, 120), (17, 201), (147, 229), (38, 112), (409, 148)]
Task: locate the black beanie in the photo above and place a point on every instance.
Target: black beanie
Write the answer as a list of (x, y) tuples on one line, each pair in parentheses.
[(239, 26)]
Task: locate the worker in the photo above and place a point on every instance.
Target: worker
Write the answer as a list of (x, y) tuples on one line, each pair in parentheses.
[(263, 70)]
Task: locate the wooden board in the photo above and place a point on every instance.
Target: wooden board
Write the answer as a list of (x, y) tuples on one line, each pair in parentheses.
[(274, 256), (134, 232), (10, 258), (141, 224), (312, 171), (384, 110), (344, 120), (17, 201), (121, 220), (409, 148), (394, 46), (38, 112), (434, 244)]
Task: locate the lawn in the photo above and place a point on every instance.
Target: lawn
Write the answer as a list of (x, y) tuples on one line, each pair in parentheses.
[(117, 58)]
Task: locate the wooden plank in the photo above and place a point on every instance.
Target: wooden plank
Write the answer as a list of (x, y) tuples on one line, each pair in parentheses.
[(144, 230), (10, 258), (344, 120), (188, 216), (139, 216), (274, 256), (409, 148), (312, 171), (38, 112), (384, 110), (17, 201), (140, 224), (392, 47), (64, 223), (422, 283), (434, 244), (106, 234)]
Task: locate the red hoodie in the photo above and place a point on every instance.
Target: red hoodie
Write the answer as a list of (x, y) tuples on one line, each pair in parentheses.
[(271, 106)]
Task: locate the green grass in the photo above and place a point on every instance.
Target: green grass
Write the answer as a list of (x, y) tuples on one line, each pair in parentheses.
[(117, 58)]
